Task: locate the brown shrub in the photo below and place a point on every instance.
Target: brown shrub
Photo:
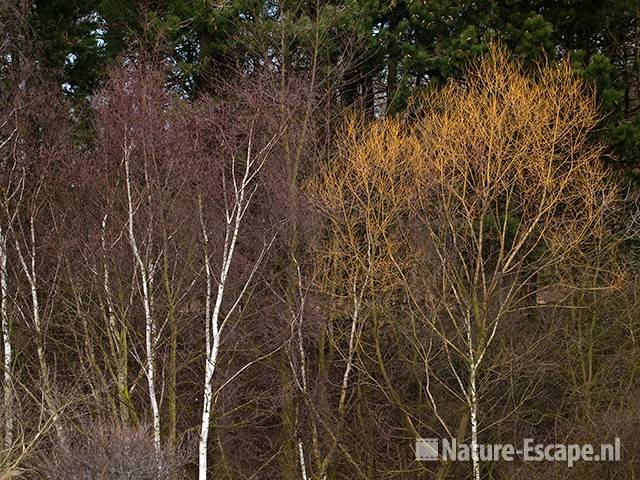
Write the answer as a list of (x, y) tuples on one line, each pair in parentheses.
[(105, 452)]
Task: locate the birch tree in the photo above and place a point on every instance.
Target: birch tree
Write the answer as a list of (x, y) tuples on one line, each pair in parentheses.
[(38, 149), (239, 189), (7, 352), (510, 189), (363, 194), (146, 266), (495, 188), (130, 111)]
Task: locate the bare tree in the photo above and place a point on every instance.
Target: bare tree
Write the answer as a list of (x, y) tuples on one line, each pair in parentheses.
[(244, 175), (363, 194), (510, 188), (7, 358)]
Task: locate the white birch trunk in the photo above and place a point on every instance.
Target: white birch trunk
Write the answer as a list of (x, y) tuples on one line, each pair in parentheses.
[(150, 341), (215, 328), (473, 414), (31, 273), (242, 194), (7, 359), (206, 412), (352, 337), (303, 468), (145, 269)]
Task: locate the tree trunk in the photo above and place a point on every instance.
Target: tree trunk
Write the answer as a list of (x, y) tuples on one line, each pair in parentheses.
[(7, 361), (473, 415)]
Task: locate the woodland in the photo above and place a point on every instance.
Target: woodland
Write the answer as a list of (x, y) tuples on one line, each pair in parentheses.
[(247, 239)]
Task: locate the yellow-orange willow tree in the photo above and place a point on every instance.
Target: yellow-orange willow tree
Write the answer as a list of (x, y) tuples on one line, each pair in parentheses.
[(491, 189)]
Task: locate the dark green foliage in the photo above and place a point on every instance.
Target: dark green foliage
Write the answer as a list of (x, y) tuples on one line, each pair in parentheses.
[(396, 47)]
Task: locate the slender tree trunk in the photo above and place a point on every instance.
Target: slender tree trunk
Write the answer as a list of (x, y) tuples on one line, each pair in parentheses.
[(214, 329), (7, 362), (27, 259), (206, 410), (150, 346), (473, 416), (303, 468), (32, 276), (146, 270), (214, 325)]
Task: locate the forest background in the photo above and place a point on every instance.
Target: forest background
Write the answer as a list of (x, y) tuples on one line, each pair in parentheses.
[(256, 239)]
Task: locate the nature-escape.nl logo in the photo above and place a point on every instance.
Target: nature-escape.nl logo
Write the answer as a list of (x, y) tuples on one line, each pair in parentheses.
[(449, 449)]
